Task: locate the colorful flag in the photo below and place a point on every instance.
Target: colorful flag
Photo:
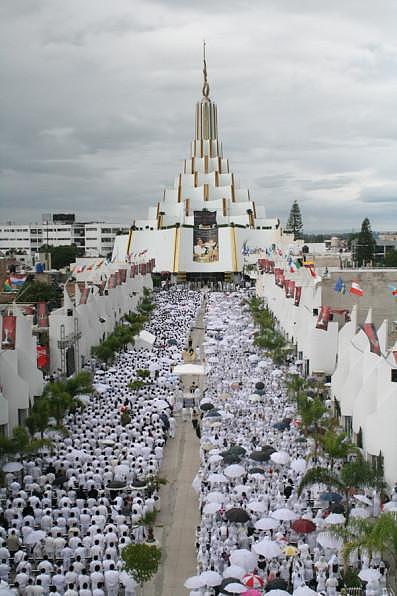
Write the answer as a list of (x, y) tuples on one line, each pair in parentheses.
[(393, 291), (356, 289), (340, 284), (7, 287), (17, 280)]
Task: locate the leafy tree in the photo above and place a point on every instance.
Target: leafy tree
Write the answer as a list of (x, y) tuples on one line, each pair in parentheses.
[(365, 246), (352, 475), (62, 256), (38, 291), (391, 259), (336, 446), (141, 561), (294, 223)]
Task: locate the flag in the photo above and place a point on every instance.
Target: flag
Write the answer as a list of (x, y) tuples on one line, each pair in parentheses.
[(17, 280), (7, 287), (356, 289), (310, 268), (297, 263), (340, 286), (393, 291)]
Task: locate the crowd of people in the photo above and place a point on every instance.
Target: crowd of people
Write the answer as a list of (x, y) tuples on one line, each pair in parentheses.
[(255, 532), (69, 512)]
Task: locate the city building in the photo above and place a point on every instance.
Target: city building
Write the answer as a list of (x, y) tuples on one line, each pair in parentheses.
[(93, 238), (205, 224)]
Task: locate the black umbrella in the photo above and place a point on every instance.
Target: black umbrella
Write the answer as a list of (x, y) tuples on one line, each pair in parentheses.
[(172, 342), (234, 450), (268, 449), (116, 485), (276, 584), (237, 515), (280, 425), (207, 406), (337, 508), (138, 483), (60, 480), (213, 414), (256, 471), (259, 385), (259, 456)]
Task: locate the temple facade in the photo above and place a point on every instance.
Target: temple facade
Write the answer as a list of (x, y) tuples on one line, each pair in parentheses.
[(205, 223)]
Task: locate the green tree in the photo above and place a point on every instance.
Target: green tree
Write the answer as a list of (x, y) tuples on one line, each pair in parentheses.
[(336, 446), (391, 259), (141, 561), (62, 256), (294, 223), (352, 475), (365, 246), (38, 291)]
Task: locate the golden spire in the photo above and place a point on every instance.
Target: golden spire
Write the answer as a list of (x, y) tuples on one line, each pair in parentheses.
[(206, 87)]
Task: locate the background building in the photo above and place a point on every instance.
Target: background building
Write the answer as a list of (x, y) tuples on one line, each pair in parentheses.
[(94, 238)]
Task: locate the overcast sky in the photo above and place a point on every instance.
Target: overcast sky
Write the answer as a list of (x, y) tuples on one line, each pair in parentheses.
[(97, 104)]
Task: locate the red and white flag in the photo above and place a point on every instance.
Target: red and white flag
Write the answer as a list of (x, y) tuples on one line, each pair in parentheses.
[(356, 289)]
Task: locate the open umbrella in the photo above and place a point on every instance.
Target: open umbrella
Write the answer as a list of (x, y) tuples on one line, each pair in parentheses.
[(328, 540), (260, 456), (280, 457), (237, 515), (266, 523), (213, 478), (284, 514), (256, 470), (211, 578), (360, 512), (304, 591), (211, 508), (215, 497), (277, 591), (234, 588), (251, 580), (391, 506), (234, 471), (334, 519), (234, 571), (252, 593), (363, 499), (269, 549), (290, 551), (257, 506), (276, 584), (298, 465), (368, 574), (231, 458), (243, 558), (194, 582), (303, 526), (12, 466), (215, 459), (206, 406)]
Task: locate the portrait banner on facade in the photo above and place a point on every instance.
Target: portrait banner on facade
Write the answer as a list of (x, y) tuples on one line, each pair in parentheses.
[(42, 314), (370, 331), (84, 295), (9, 332), (323, 318), (205, 237), (43, 359), (298, 293)]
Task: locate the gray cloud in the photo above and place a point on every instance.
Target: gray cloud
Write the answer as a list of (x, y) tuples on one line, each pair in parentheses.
[(97, 103)]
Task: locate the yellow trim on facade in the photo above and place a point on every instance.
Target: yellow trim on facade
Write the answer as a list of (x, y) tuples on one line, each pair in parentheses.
[(177, 245), (129, 242), (234, 248)]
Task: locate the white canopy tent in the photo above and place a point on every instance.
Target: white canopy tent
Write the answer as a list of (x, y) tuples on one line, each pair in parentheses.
[(189, 369)]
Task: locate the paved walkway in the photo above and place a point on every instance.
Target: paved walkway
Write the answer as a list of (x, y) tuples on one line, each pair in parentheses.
[(179, 515)]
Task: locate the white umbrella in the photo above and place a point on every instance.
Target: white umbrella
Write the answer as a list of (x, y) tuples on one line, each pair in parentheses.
[(284, 514), (99, 371), (363, 499), (304, 591), (121, 469), (327, 540), (85, 399), (334, 519), (267, 548), (359, 512), (211, 508), (212, 478), (391, 506), (235, 588), (258, 506), (254, 397), (234, 571), (298, 464), (35, 537), (215, 459), (234, 471), (6, 591), (194, 582), (266, 523), (211, 578), (280, 457), (161, 404), (243, 558), (368, 575), (277, 593), (215, 497), (12, 466)]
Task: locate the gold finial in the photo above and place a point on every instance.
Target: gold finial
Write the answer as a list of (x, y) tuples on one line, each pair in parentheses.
[(206, 87)]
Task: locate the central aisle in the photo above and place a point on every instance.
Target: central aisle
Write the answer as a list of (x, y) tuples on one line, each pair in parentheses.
[(179, 515)]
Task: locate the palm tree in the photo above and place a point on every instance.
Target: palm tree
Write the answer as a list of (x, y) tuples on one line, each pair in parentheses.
[(374, 535), (336, 446), (351, 475), (296, 385)]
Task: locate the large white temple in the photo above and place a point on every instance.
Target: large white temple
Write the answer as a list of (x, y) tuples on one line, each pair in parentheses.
[(205, 223)]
